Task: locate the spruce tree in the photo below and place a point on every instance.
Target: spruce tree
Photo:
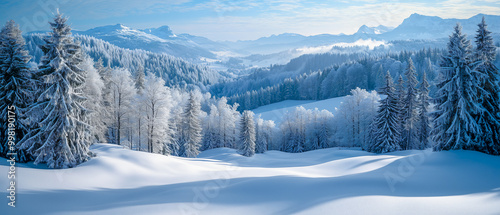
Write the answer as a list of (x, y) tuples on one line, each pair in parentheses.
[(400, 93), (15, 92), (457, 103), (62, 137), (409, 111), (489, 98), (386, 121), (191, 131), (423, 116), (247, 134)]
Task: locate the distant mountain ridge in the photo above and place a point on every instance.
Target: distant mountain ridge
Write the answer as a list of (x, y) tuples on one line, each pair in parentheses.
[(199, 49)]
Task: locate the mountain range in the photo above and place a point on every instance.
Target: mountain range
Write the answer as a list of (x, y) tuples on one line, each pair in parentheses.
[(199, 49)]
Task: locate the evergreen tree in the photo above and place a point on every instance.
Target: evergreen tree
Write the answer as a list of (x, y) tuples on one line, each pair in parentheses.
[(386, 121), (140, 78), (490, 118), (191, 131), (457, 101), (247, 134), (400, 97), (423, 116), (409, 111), (62, 137), (15, 92)]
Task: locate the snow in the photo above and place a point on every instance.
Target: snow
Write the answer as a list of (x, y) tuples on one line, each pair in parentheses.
[(276, 111), (220, 181)]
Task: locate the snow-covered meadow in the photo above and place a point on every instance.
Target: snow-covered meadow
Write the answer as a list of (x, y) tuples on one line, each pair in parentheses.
[(220, 181)]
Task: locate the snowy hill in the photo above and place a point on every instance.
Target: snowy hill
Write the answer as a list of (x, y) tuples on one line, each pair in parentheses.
[(276, 111), (120, 181)]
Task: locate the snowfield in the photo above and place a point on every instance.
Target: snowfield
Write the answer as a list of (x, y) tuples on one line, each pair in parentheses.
[(327, 181)]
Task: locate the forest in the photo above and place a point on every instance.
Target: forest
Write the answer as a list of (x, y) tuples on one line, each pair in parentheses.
[(72, 91)]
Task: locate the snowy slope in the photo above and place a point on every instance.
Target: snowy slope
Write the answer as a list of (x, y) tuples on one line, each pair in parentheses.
[(327, 181), (276, 111)]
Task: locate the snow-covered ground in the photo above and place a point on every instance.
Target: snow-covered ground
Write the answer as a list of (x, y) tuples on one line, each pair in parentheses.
[(327, 181), (276, 111)]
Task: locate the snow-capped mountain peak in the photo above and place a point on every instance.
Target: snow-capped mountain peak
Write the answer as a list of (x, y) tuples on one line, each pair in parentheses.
[(373, 30)]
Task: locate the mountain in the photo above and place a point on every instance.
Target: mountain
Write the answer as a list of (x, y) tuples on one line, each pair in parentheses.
[(160, 40), (432, 27), (373, 30)]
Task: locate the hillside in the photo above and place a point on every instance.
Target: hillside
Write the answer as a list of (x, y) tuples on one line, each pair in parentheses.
[(120, 181)]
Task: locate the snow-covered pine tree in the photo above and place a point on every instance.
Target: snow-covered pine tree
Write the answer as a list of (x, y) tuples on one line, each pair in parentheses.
[(191, 129), (457, 99), (247, 134), (386, 121), (62, 139), (409, 111), (490, 119), (423, 116), (140, 77), (400, 94), (260, 136), (15, 91)]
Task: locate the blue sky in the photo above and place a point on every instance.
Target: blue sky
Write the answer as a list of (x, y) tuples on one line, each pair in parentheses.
[(237, 20)]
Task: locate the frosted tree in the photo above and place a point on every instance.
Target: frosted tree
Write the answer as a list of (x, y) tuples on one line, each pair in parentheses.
[(409, 109), (157, 103), (140, 79), (106, 110), (423, 115), (122, 96), (457, 99), (191, 129), (354, 117), (211, 137), (16, 91), (247, 134), (62, 139), (386, 121), (93, 88), (489, 98), (264, 135)]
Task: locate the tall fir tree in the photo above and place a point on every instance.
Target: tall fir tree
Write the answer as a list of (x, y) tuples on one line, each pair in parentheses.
[(387, 133), (191, 131), (400, 93), (409, 111), (15, 93), (423, 115), (62, 137), (489, 98), (247, 134), (457, 99)]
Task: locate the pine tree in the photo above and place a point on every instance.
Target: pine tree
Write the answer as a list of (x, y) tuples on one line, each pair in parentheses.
[(490, 118), (386, 121), (400, 96), (62, 137), (455, 126), (191, 137), (423, 116), (247, 134), (15, 92), (409, 111)]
